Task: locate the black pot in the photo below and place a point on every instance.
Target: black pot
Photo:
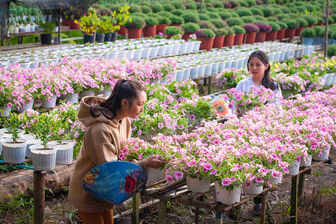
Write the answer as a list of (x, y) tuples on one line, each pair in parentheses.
[(100, 37), (88, 38), (114, 36), (46, 38), (107, 37)]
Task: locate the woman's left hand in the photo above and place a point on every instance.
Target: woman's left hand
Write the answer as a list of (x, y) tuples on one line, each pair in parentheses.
[(152, 162)]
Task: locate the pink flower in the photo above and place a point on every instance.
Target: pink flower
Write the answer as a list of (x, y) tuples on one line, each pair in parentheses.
[(178, 175), (226, 182), (122, 156), (214, 171), (9, 104), (259, 180), (160, 125), (169, 178), (191, 163)]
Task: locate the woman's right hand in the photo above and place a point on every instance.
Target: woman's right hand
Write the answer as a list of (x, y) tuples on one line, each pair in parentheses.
[(151, 162)]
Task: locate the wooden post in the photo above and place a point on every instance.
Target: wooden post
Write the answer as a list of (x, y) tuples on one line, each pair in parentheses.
[(326, 31), (294, 200), (135, 205), (39, 196), (196, 215), (301, 185), (263, 208), (209, 85), (162, 212), (237, 213)]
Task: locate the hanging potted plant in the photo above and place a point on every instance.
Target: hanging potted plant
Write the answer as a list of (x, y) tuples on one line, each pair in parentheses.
[(251, 32), (163, 23), (150, 28), (274, 33), (219, 39), (44, 155), (14, 151), (263, 30), (229, 38), (89, 24), (206, 36), (239, 35), (172, 31), (189, 29), (134, 27), (48, 29)]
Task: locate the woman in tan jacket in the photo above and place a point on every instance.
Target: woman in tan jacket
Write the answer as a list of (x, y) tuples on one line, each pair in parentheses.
[(107, 126)]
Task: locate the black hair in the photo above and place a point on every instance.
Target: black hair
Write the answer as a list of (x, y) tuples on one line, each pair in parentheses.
[(123, 89), (267, 80)]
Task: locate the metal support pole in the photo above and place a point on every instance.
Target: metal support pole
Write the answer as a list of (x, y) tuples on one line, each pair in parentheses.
[(39, 196), (294, 200)]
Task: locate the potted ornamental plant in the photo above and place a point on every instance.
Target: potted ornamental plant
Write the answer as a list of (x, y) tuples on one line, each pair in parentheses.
[(272, 35), (219, 39), (163, 23), (134, 27), (14, 151), (251, 32), (44, 155), (282, 31), (308, 35), (189, 29), (239, 35), (229, 38), (150, 28), (5, 98), (291, 27), (89, 24), (123, 16), (176, 20), (48, 29), (302, 23), (206, 36), (264, 28), (173, 31)]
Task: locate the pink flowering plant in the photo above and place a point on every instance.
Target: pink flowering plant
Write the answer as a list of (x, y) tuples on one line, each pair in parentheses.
[(290, 84)]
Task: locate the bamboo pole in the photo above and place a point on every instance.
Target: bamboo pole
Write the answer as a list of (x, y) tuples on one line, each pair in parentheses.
[(326, 31)]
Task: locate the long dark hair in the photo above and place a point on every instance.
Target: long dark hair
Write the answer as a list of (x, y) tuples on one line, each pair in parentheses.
[(267, 81), (123, 89)]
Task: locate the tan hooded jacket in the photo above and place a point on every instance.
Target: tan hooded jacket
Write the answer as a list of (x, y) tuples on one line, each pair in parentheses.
[(101, 144)]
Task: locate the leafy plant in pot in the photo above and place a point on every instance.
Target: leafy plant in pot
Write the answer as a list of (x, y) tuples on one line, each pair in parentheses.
[(48, 29), (14, 151), (44, 155), (172, 31)]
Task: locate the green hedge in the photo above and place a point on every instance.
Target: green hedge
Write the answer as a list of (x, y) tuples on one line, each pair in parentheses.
[(332, 50)]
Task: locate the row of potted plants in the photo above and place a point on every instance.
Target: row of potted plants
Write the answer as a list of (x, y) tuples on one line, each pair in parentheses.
[(315, 35)]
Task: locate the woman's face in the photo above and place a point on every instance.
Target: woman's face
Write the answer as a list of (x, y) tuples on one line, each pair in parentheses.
[(257, 68), (137, 106)]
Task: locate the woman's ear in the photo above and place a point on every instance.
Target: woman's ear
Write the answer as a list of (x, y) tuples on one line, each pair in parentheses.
[(124, 102)]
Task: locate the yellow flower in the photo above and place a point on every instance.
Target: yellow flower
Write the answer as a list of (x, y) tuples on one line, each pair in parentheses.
[(76, 21)]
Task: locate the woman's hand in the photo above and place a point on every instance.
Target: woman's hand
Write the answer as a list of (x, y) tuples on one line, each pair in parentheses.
[(151, 162), (239, 112)]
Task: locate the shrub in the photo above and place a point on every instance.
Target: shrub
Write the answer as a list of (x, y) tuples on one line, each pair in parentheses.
[(218, 23), (206, 33), (165, 14), (146, 9), (168, 7), (301, 22), (244, 12), (151, 21), (139, 14), (248, 19), (272, 19), (156, 8), (332, 34), (268, 12), (154, 15), (330, 20), (275, 26), (300, 9), (225, 15), (190, 17), (203, 17), (250, 28), (282, 16), (213, 15), (264, 27), (282, 25), (256, 11), (178, 4), (206, 24), (291, 24), (332, 50), (190, 5), (137, 22), (178, 12), (261, 18), (230, 31), (218, 4), (190, 27), (333, 17), (243, 3), (164, 20), (310, 19), (135, 8), (285, 10), (235, 22), (251, 2), (176, 19), (220, 32), (207, 10), (308, 32), (319, 30), (239, 29), (276, 10), (173, 30), (320, 20)]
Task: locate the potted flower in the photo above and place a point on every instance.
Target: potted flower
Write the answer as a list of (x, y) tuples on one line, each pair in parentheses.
[(229, 38), (291, 27), (150, 28), (172, 31), (189, 28), (219, 39), (134, 27), (251, 32), (274, 33), (263, 30), (44, 155), (163, 23), (239, 35), (206, 37), (308, 35), (6, 103), (14, 151), (48, 29), (89, 24)]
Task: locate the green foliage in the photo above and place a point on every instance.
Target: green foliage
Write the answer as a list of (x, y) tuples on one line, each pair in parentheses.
[(257, 11), (332, 50), (291, 24), (220, 32), (203, 17), (308, 32), (248, 19), (239, 29), (13, 123), (135, 8), (310, 19), (272, 19), (225, 15), (137, 22), (218, 23), (173, 30), (206, 25), (165, 14), (302, 22), (164, 20), (205, 33), (178, 4), (230, 31), (48, 27), (190, 27), (146, 9), (156, 7), (151, 21), (275, 26), (190, 5), (267, 11), (168, 7), (319, 30), (178, 12), (235, 22), (213, 15), (190, 17), (176, 19), (244, 12)]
